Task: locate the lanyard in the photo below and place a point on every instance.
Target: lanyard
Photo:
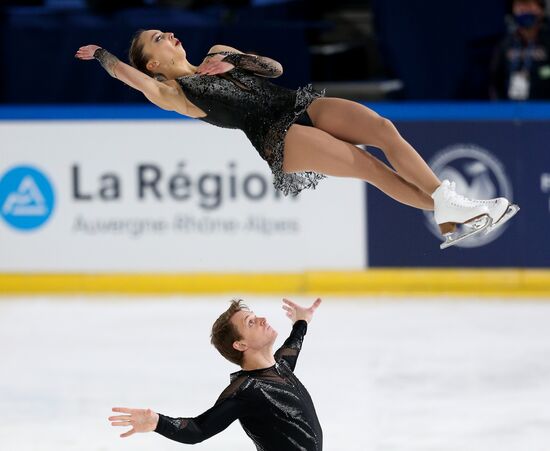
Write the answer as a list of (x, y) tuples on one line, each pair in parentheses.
[(524, 61)]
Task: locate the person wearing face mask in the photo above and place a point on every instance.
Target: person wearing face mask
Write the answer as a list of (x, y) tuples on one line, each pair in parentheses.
[(521, 64)]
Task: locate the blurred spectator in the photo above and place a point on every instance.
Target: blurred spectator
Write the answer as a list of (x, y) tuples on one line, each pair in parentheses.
[(521, 64)]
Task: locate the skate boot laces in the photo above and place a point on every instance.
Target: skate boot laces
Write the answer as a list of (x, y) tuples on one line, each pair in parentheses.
[(455, 199), (452, 187)]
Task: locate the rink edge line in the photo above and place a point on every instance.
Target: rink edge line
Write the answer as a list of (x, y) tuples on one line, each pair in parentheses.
[(400, 282)]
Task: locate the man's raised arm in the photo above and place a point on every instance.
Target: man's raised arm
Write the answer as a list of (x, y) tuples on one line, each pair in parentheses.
[(300, 316)]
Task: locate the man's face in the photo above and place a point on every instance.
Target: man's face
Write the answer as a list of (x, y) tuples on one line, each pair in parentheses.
[(255, 331)]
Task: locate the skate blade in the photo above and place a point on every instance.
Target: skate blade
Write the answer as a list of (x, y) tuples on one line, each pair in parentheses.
[(510, 213), (474, 227)]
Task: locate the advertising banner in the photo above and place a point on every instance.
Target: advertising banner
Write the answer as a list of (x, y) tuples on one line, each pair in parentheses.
[(162, 196), (147, 194)]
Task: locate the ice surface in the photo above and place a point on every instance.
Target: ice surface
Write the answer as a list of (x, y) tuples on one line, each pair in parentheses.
[(385, 374)]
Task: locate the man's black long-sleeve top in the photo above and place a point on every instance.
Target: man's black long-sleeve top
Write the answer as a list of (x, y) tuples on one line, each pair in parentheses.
[(272, 405)]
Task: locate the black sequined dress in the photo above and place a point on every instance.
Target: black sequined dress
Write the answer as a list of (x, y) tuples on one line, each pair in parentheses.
[(272, 405), (247, 101)]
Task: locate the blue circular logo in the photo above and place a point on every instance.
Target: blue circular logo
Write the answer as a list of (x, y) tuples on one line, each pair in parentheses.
[(26, 198)]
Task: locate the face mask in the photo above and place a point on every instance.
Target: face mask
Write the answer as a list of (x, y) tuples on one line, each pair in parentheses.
[(527, 20)]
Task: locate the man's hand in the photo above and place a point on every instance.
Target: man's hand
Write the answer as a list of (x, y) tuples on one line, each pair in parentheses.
[(296, 312), (140, 420)]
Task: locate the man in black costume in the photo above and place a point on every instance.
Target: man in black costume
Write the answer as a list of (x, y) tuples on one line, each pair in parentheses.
[(272, 405)]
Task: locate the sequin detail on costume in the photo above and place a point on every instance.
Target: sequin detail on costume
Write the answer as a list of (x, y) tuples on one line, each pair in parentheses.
[(296, 182), (262, 110), (259, 65)]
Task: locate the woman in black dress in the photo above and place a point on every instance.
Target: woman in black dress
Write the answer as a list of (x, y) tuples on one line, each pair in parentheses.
[(301, 134)]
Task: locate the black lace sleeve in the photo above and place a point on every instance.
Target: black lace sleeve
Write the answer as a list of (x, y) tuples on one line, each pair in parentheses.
[(259, 65), (293, 344), (107, 60), (211, 422)]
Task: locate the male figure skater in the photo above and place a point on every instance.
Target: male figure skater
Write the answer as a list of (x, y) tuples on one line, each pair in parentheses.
[(272, 405)]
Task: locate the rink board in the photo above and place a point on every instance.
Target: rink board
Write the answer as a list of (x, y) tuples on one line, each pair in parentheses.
[(398, 282)]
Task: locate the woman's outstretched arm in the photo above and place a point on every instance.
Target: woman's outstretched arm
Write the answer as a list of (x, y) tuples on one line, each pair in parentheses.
[(162, 95)]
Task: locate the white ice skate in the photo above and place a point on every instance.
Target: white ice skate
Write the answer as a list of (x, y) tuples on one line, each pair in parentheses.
[(509, 214), (496, 207), (452, 210)]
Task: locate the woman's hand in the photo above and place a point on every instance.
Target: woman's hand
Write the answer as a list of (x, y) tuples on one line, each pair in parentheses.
[(86, 52), (140, 420), (214, 65), (296, 312)]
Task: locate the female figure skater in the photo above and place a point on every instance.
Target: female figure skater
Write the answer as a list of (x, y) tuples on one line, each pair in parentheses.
[(273, 407), (301, 134)]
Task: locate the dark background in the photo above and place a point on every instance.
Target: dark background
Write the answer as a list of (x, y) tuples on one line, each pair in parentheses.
[(434, 51)]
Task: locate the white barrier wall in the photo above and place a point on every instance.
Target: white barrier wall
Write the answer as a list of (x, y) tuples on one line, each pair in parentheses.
[(163, 196)]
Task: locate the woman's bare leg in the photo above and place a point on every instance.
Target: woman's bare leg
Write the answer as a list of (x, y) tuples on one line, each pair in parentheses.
[(357, 124), (311, 149)]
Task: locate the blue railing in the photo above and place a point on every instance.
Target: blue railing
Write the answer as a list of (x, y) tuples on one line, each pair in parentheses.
[(400, 111)]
